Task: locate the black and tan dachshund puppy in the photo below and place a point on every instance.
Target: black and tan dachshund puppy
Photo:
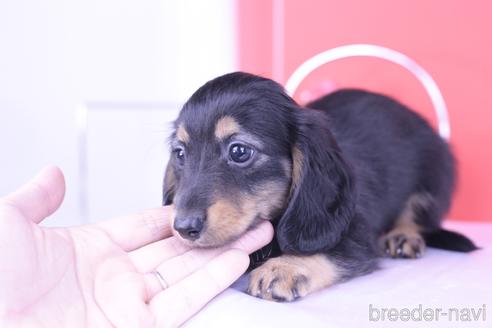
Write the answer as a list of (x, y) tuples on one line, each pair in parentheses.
[(352, 177)]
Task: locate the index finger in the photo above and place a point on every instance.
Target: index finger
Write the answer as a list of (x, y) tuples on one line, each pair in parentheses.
[(188, 296), (137, 230)]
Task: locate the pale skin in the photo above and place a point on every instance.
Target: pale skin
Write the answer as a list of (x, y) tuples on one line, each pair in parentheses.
[(101, 275)]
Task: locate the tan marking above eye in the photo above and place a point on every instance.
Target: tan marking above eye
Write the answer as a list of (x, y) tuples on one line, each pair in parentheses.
[(182, 134), (225, 127)]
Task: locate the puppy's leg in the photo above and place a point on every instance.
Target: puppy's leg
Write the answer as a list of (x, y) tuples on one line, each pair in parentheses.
[(289, 277), (405, 240)]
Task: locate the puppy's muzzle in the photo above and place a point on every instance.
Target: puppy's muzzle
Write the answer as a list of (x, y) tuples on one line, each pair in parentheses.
[(189, 227)]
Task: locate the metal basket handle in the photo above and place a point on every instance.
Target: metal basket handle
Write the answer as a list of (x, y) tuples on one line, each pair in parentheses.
[(370, 50)]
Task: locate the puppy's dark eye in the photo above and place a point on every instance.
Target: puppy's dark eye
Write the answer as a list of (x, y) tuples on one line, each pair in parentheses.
[(240, 153), (179, 153)]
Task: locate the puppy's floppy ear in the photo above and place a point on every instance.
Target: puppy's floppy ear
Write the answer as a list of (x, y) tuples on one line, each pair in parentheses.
[(321, 203), (169, 187)]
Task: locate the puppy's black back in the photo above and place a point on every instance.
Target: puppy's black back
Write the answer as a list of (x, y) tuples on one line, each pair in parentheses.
[(394, 153)]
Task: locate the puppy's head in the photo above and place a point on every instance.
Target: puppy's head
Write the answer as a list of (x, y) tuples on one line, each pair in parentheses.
[(243, 151)]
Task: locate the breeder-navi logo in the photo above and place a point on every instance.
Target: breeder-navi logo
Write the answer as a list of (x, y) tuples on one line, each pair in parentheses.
[(420, 313)]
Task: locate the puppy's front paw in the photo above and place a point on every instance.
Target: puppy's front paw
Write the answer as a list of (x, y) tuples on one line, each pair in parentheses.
[(278, 280), (288, 277)]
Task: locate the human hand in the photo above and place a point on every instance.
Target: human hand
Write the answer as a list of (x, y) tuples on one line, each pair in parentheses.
[(102, 275)]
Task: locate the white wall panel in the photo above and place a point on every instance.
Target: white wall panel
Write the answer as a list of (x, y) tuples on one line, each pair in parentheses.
[(60, 55), (125, 157)]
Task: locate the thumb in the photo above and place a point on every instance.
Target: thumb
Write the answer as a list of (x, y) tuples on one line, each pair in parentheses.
[(39, 197)]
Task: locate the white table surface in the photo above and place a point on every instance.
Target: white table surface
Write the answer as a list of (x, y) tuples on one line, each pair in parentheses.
[(440, 280)]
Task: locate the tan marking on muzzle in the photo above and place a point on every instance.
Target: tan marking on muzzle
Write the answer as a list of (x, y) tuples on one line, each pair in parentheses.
[(228, 219), (269, 197)]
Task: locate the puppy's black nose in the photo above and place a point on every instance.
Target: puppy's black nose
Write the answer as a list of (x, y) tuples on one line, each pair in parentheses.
[(189, 227)]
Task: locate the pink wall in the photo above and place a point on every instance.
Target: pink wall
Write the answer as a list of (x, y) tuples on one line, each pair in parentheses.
[(452, 40)]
